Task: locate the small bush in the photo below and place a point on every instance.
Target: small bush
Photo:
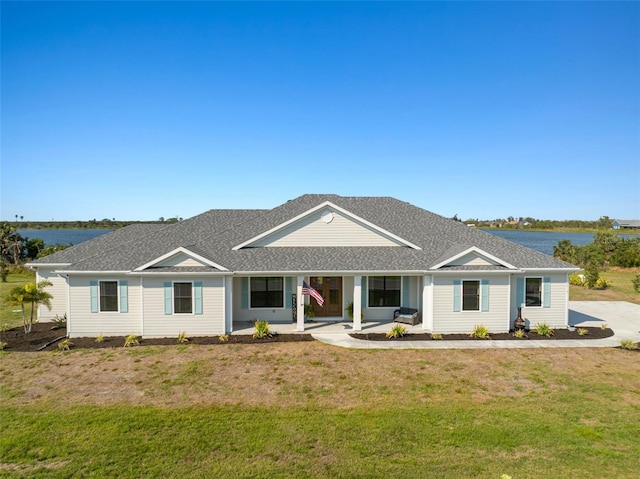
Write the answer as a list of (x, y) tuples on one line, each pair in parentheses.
[(636, 283), (437, 336), (223, 338), (65, 345), (591, 275), (543, 329), (582, 332), (59, 322), (131, 340), (628, 344), (480, 332), (3, 345), (397, 331), (576, 279), (519, 333), (182, 337), (262, 330), (99, 338), (603, 326), (601, 283)]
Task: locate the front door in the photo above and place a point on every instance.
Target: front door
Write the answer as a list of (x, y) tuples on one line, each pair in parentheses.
[(330, 288)]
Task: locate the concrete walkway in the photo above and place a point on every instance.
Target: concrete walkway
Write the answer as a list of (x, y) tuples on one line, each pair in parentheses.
[(622, 317)]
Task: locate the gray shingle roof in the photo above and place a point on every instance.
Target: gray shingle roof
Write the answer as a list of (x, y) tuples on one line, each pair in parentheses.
[(213, 235)]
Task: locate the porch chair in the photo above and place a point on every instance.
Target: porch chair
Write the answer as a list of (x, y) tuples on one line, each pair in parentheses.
[(407, 316)]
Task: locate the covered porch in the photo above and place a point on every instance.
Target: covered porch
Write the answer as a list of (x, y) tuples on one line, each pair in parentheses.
[(327, 327)]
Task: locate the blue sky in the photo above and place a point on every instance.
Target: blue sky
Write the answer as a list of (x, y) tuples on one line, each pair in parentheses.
[(137, 110)]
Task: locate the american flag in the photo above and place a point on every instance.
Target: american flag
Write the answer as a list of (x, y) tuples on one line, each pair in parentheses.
[(306, 289)]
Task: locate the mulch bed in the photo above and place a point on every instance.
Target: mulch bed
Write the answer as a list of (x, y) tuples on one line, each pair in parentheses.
[(593, 333), (41, 334)]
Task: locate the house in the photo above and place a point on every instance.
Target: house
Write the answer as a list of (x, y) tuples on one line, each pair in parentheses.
[(625, 224), (208, 273)]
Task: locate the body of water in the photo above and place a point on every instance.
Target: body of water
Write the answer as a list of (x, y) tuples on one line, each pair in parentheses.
[(63, 236), (542, 241)]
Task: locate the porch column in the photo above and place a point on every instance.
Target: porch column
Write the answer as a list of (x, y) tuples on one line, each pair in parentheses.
[(357, 303), (427, 302), (228, 304), (300, 305)]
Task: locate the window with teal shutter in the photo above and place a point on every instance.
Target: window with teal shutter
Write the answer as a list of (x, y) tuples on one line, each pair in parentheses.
[(484, 291), (168, 298), (197, 297), (93, 287), (519, 292), (546, 292), (124, 296), (457, 295)]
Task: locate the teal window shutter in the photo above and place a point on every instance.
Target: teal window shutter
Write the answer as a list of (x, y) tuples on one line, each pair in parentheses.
[(405, 291), (519, 292), (546, 292), (287, 292), (244, 300), (124, 296), (197, 296), (168, 298), (363, 293), (93, 286), (484, 292), (457, 295)]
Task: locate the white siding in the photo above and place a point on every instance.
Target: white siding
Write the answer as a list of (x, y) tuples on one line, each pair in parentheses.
[(84, 323), (59, 292), (472, 259), (445, 320), (314, 231), (209, 323), (179, 259), (556, 315)]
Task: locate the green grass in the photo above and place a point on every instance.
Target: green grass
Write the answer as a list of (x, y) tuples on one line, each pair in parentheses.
[(7, 316), (621, 288), (456, 440)]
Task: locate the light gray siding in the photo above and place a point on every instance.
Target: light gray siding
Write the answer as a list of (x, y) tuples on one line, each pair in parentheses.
[(272, 315), (180, 259), (314, 231), (446, 320), (472, 259), (59, 292), (210, 323), (556, 315), (83, 323)]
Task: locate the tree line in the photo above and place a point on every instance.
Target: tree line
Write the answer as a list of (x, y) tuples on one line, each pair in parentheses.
[(607, 249)]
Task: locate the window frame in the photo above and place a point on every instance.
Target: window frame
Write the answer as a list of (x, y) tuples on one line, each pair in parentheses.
[(540, 290), (267, 278), (388, 306), (101, 296), (175, 297), (478, 295)]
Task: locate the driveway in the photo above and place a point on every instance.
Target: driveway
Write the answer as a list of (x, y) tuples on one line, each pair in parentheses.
[(621, 316)]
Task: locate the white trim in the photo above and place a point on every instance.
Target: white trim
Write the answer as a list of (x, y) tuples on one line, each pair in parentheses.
[(284, 292), (173, 299), (176, 251), (100, 281), (462, 310), (319, 207), (474, 249), (381, 308), (541, 278)]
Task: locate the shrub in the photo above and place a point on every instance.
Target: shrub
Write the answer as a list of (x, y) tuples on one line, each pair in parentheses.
[(437, 336), (131, 340), (65, 345), (397, 331), (262, 329), (591, 275), (582, 332), (3, 345), (223, 338), (543, 329), (99, 338), (636, 283), (601, 283), (628, 344), (59, 322), (519, 333), (576, 279), (182, 337), (480, 332), (603, 326)]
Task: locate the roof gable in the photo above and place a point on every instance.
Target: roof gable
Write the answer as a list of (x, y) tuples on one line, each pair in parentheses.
[(326, 225), (180, 258), (471, 256)]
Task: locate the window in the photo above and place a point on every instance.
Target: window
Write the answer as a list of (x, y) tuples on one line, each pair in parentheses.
[(471, 296), (267, 292), (108, 296), (182, 298), (533, 292), (384, 291)]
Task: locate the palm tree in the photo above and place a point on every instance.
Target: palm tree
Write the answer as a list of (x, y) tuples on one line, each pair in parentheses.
[(32, 293)]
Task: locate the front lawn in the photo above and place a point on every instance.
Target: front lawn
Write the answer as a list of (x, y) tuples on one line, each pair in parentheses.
[(620, 289)]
